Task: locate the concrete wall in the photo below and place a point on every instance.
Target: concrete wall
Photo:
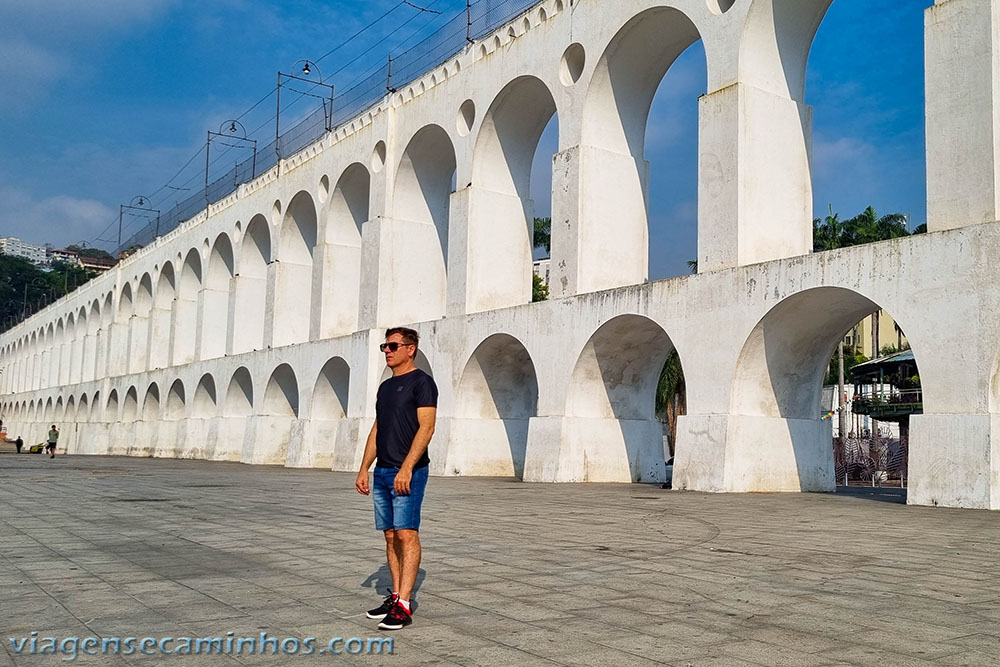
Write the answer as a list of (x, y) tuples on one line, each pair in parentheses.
[(250, 332)]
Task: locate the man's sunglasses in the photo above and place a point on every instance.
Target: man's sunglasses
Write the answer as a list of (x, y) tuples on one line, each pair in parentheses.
[(392, 347)]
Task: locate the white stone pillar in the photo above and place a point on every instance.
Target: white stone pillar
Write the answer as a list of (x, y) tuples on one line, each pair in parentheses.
[(214, 318), (490, 259), (402, 273), (962, 67), (754, 185), (596, 244), (337, 281), (138, 343), (160, 340)]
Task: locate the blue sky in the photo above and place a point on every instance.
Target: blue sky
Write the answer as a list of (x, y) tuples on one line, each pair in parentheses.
[(107, 99)]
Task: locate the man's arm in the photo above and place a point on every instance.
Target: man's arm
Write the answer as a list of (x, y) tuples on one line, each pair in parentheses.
[(361, 483), (426, 418)]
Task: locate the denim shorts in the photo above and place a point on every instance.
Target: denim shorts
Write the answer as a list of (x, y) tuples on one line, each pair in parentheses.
[(392, 510)]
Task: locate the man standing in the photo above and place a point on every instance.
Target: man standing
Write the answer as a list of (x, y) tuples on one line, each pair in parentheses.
[(405, 410), (19, 443), (53, 438)]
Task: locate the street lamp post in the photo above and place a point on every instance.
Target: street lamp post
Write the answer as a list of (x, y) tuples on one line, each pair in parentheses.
[(308, 69), (137, 203), (234, 130)]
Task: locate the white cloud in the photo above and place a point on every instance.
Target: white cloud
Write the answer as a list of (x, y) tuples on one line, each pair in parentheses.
[(59, 219), (842, 156), (26, 70)]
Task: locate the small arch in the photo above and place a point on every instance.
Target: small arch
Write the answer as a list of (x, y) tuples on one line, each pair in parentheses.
[(206, 402), (239, 395), (330, 393), (176, 402), (130, 408), (151, 404), (281, 396), (111, 408), (499, 391), (611, 398)]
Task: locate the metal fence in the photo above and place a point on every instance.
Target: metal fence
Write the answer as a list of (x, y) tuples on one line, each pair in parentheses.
[(482, 18)]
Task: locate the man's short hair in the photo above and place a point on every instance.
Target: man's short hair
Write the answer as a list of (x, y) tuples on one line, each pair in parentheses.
[(409, 336)]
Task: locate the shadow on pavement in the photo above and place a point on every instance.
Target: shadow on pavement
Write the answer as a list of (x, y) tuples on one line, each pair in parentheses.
[(882, 494)]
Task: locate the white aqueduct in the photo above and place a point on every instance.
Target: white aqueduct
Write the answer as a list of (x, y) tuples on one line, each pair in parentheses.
[(249, 333)]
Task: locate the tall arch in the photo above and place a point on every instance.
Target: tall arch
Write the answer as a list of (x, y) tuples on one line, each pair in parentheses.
[(293, 304), (186, 309), (215, 299), (611, 403), (421, 207), (347, 211), (501, 237), (613, 163), (251, 286), (497, 395), (139, 326), (161, 336)]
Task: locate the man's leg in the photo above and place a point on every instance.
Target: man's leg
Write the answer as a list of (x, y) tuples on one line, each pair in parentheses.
[(408, 554), (392, 557)]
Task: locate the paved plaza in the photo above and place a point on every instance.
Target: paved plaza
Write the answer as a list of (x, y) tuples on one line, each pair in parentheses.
[(513, 573)]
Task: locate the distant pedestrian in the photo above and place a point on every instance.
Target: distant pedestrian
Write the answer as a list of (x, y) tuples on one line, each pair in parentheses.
[(53, 438), (19, 443)]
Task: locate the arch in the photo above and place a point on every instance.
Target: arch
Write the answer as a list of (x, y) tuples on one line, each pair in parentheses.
[(162, 325), (501, 243), (186, 309), (111, 408), (126, 304), (499, 391), (420, 361), (59, 414), (293, 298), (251, 286), (346, 212), (776, 43), (83, 409), (215, 303), (777, 391), (330, 394), (176, 402), (611, 400), (281, 397), (70, 415), (95, 406), (139, 326), (615, 116), (205, 403), (151, 404), (239, 395), (349, 206), (130, 408), (421, 203)]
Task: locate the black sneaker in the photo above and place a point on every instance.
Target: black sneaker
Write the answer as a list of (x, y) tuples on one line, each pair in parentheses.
[(380, 612), (397, 618)]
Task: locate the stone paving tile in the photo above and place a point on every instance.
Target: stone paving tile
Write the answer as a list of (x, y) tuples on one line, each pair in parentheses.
[(519, 574)]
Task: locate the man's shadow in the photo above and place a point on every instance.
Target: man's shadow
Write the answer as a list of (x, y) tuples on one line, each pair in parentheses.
[(381, 579)]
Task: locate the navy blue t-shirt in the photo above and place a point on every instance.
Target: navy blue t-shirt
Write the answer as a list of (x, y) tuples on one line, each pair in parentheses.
[(396, 416)]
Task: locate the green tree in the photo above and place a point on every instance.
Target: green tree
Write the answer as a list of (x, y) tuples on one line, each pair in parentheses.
[(25, 288), (539, 290), (852, 357), (866, 227), (543, 234), (693, 265), (90, 252), (671, 394)]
